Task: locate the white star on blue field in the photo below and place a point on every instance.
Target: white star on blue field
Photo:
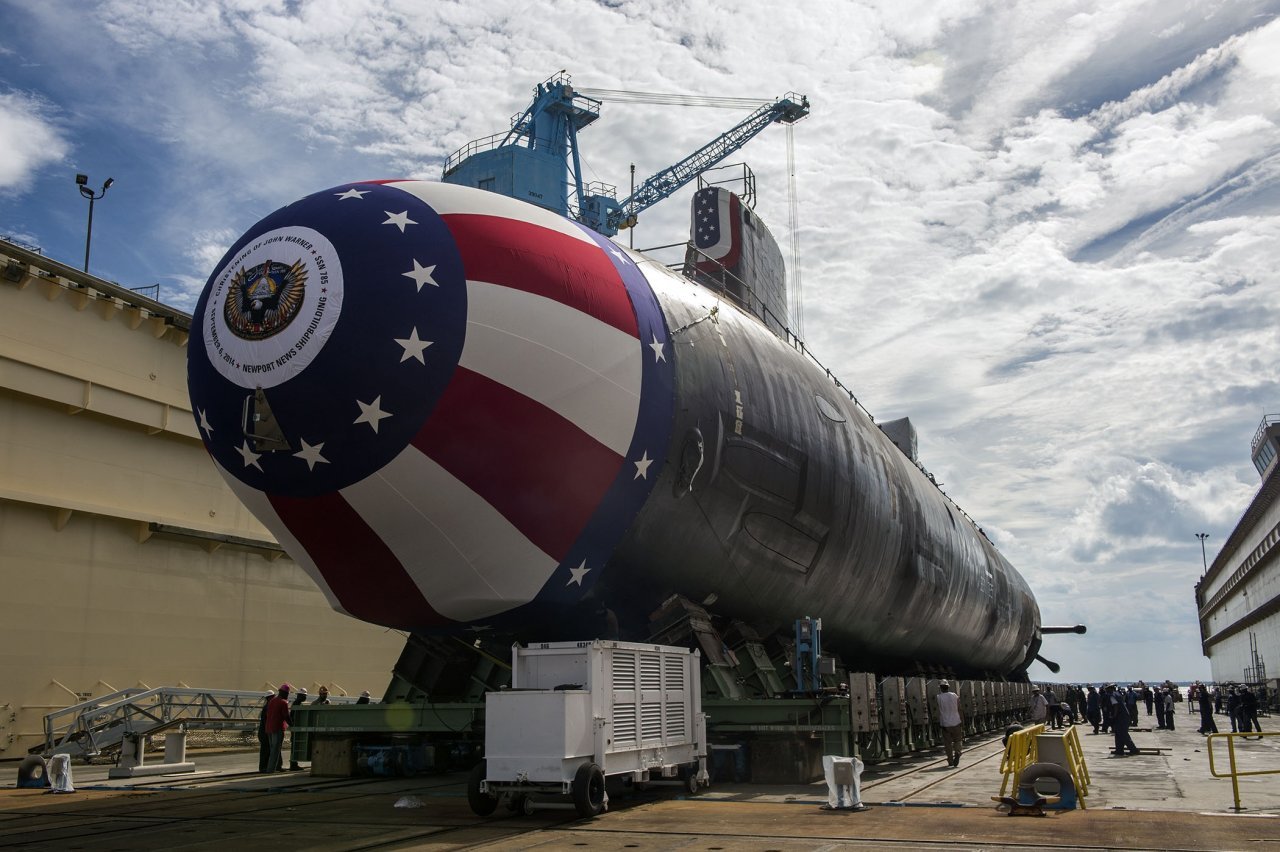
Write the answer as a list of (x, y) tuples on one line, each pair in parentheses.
[(1048, 233)]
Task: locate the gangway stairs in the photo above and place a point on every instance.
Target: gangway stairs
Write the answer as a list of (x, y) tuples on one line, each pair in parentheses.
[(123, 719)]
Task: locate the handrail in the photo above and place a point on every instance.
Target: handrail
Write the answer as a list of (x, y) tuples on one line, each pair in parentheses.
[(1235, 774), (484, 143), (57, 274), (103, 722), (1267, 420)]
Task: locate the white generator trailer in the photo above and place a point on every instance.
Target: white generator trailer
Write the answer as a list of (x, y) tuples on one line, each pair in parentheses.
[(578, 712)]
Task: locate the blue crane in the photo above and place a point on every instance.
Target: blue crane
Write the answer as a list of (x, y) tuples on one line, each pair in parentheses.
[(537, 160)]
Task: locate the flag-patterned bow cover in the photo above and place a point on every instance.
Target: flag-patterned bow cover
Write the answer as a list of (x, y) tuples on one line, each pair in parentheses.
[(476, 395)]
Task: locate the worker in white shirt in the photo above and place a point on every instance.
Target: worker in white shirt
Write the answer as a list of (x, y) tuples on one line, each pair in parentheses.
[(951, 722)]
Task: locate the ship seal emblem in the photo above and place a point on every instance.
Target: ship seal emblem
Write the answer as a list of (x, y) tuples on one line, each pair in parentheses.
[(272, 305), (262, 300)]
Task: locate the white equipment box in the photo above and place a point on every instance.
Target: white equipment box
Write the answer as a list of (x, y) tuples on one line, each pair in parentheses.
[(577, 712)]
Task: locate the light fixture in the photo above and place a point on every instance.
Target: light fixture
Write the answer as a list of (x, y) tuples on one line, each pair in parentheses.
[(86, 191)]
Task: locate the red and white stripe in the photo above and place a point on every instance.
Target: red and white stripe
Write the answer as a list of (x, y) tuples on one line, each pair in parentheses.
[(476, 514)]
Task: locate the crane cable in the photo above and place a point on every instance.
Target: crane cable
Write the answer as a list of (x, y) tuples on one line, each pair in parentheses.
[(622, 96), (793, 221), (667, 99)]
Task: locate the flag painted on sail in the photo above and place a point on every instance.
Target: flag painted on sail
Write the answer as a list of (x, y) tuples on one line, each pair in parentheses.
[(475, 395), (717, 225)]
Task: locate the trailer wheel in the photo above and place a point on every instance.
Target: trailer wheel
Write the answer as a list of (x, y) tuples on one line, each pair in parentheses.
[(689, 775), (482, 804), (520, 803), (588, 790)]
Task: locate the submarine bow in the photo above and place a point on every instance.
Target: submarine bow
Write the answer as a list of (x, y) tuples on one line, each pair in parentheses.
[(471, 390)]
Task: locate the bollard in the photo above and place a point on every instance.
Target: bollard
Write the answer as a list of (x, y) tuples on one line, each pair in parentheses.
[(33, 773), (1028, 795)]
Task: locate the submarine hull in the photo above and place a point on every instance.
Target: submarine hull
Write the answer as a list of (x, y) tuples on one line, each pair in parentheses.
[(781, 497), (460, 412)]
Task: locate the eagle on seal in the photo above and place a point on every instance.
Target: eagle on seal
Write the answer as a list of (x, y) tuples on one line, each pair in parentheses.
[(265, 298)]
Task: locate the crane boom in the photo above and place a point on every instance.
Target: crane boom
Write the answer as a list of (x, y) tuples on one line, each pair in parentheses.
[(607, 215), (537, 160)]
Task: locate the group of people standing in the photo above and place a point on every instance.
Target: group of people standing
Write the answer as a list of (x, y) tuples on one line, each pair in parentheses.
[(276, 716), (1100, 710), (1239, 702), (1114, 709), (1110, 709)]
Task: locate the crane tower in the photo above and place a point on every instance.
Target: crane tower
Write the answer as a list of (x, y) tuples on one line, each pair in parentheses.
[(537, 160)]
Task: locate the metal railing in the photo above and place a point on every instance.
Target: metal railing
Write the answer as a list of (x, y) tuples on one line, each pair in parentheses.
[(475, 146), (1235, 774), (101, 724), (1261, 434)]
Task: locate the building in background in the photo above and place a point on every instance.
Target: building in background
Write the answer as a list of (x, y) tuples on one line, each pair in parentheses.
[(1238, 598), (125, 559)]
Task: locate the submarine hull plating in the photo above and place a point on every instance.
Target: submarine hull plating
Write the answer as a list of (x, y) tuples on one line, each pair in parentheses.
[(461, 412), (780, 497)]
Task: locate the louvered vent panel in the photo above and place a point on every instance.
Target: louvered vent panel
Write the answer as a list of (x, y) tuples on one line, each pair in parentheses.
[(651, 721), (624, 671), (624, 724), (675, 720), (650, 672), (672, 672)]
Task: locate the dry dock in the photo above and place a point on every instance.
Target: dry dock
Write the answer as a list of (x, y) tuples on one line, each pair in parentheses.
[(1165, 801)]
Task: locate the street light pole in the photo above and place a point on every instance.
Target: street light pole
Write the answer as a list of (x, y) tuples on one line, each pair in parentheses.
[(1203, 558), (82, 181)]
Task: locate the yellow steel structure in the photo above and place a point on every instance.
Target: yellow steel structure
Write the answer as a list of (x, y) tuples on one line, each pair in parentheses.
[(1022, 750), (1234, 772), (1076, 764), (125, 559)]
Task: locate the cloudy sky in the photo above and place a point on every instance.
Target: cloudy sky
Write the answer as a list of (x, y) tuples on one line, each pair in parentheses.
[(1047, 232)]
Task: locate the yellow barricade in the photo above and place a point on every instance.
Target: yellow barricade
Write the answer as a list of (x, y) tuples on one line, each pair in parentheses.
[(1234, 773), (1020, 751), (1075, 764), (1023, 749)]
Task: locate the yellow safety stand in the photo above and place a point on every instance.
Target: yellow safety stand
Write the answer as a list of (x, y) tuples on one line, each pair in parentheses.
[(1076, 764), (1022, 750)]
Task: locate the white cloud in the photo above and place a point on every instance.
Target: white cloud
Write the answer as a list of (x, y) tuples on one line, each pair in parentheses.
[(29, 137)]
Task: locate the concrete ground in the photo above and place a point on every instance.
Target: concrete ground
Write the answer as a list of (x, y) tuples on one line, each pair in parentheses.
[(1164, 800)]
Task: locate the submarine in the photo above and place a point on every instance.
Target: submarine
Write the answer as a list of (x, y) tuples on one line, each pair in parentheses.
[(463, 413)]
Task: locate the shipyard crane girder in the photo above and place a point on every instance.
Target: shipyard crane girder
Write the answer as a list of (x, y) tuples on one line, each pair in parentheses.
[(607, 215), (538, 161)]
